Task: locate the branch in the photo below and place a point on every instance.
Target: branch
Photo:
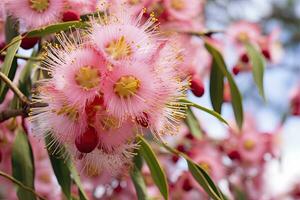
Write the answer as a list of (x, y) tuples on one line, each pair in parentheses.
[(7, 114), (24, 57), (15, 181), (15, 89)]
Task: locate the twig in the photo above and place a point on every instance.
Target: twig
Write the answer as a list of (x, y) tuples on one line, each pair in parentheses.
[(7, 114), (24, 57), (15, 89), (15, 181)]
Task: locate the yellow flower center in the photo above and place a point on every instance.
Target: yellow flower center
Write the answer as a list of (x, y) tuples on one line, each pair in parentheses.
[(177, 4), (118, 49), (45, 177), (205, 166), (109, 122), (92, 170), (126, 86), (39, 5), (70, 111), (249, 144), (87, 77), (133, 2), (243, 37)]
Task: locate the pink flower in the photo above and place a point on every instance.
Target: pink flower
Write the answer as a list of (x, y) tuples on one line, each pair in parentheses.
[(35, 13), (64, 120), (123, 37), (183, 9), (83, 6), (243, 31), (209, 158), (251, 147), (77, 69)]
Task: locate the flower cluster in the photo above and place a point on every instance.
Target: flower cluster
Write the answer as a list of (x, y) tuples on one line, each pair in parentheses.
[(242, 32), (108, 84)]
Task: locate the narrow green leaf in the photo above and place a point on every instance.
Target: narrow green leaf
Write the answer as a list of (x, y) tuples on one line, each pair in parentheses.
[(216, 87), (258, 67), (55, 28), (139, 183), (193, 124), (9, 66), (236, 97), (201, 177), (77, 180), (156, 170), (23, 165), (60, 169), (239, 194), (211, 112), (11, 28), (67, 168)]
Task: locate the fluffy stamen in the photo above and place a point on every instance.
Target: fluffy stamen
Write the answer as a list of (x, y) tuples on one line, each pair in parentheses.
[(118, 49), (70, 111), (39, 5), (177, 4), (109, 122), (87, 77), (126, 86)]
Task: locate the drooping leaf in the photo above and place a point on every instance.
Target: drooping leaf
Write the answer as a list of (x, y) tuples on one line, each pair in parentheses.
[(216, 87), (67, 168), (77, 180), (258, 67), (202, 178), (55, 28), (193, 124), (9, 66), (60, 169), (211, 112), (236, 97), (23, 165), (139, 183), (11, 28), (156, 170)]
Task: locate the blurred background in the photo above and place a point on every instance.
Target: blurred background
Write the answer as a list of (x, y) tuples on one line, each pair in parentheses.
[(280, 80)]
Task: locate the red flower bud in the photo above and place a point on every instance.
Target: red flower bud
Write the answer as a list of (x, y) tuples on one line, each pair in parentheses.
[(88, 141), (186, 186), (244, 58), (197, 87), (29, 42), (70, 15), (236, 70), (266, 54)]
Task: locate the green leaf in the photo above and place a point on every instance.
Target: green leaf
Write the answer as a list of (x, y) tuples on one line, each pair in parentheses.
[(9, 66), (139, 183), (67, 168), (77, 180), (236, 97), (239, 194), (60, 168), (216, 87), (258, 67), (156, 170), (193, 124), (54, 28), (211, 112), (11, 28), (203, 179), (23, 165)]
